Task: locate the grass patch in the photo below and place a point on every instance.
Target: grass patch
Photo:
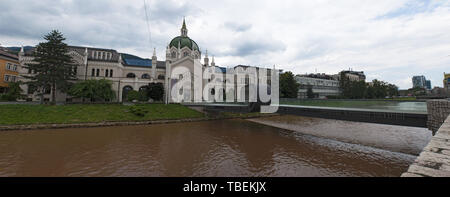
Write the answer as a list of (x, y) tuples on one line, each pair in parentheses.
[(65, 114)]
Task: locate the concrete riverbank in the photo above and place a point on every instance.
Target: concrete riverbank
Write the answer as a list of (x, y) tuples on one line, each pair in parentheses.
[(434, 161)]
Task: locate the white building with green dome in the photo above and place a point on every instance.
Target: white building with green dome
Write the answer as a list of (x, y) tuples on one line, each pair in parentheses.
[(183, 52), (126, 72)]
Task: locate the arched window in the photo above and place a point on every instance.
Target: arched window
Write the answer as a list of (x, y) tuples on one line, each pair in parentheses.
[(145, 76), (125, 91), (111, 73), (161, 77), (174, 54), (131, 75), (186, 54)]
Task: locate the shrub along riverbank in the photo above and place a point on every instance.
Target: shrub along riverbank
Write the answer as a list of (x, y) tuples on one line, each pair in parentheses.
[(66, 114)]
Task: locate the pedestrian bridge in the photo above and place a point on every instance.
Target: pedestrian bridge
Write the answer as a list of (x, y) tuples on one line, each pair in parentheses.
[(390, 117)]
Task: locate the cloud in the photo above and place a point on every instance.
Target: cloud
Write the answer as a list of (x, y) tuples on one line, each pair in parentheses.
[(238, 27), (389, 40)]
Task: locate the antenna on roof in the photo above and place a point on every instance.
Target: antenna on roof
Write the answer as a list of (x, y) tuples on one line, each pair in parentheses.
[(148, 24)]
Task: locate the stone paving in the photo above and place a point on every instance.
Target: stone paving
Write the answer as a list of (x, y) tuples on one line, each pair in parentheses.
[(434, 161)]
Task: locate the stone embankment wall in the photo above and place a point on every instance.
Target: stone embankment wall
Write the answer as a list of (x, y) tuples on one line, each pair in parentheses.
[(434, 161), (438, 111)]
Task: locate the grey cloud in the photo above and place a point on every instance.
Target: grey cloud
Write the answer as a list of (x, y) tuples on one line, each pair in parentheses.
[(171, 12), (238, 27), (257, 47), (101, 23)]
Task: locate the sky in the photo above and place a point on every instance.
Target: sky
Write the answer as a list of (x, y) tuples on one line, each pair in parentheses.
[(388, 40)]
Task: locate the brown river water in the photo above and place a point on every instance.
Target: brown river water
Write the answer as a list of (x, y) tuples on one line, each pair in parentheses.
[(214, 148)]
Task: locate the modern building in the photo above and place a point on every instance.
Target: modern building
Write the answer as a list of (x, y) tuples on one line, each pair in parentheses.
[(428, 85), (128, 72), (322, 85), (9, 65), (419, 82), (447, 82)]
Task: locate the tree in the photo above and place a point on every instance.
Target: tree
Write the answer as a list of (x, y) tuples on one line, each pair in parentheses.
[(156, 91), (288, 86), (14, 92), (94, 90), (358, 89), (370, 93), (52, 65), (133, 95), (392, 90), (345, 85), (310, 93)]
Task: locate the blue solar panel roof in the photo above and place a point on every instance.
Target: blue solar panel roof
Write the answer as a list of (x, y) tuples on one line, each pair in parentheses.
[(224, 70), (139, 62)]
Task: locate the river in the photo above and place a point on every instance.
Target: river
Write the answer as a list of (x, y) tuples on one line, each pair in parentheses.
[(209, 148)]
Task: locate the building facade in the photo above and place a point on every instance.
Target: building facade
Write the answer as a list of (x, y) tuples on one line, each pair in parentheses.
[(322, 85), (9, 66), (352, 75), (447, 82), (419, 82), (128, 72), (428, 84)]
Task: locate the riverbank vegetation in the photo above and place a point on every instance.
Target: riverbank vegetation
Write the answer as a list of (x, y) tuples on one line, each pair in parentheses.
[(288, 86), (362, 90), (66, 114)]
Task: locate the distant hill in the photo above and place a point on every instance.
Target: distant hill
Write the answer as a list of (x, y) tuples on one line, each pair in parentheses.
[(16, 50)]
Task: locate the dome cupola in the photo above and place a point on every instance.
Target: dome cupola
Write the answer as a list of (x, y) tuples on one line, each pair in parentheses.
[(183, 40)]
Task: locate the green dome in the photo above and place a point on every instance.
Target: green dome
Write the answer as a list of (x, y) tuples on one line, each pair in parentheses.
[(185, 42)]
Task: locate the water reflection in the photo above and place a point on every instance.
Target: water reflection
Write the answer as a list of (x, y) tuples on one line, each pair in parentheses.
[(214, 148), (400, 106)]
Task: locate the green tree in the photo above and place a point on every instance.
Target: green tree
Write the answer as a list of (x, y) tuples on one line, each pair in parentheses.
[(288, 86), (156, 91), (392, 90), (14, 92), (310, 93), (133, 95), (358, 89), (52, 65), (94, 90), (345, 86), (370, 93), (380, 88)]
